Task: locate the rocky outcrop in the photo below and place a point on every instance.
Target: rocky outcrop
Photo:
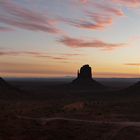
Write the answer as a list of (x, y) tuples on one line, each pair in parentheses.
[(8, 91), (77, 106), (3, 83), (84, 78), (85, 72), (134, 88)]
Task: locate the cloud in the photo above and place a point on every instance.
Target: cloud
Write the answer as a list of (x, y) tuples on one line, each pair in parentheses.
[(104, 15), (83, 1), (38, 54), (29, 71), (80, 43), (132, 64), (21, 68), (16, 53), (110, 9), (129, 3), (14, 14), (52, 57), (19, 16), (98, 19), (115, 75), (85, 24), (5, 29), (101, 20), (71, 54)]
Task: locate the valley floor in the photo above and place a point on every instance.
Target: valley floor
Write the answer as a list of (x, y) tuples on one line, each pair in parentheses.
[(51, 112)]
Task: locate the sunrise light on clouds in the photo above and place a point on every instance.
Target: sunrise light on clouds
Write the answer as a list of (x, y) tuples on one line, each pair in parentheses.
[(53, 38)]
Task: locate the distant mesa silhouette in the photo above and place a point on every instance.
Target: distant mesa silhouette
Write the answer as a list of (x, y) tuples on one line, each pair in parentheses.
[(8, 91), (84, 78), (134, 88), (4, 84)]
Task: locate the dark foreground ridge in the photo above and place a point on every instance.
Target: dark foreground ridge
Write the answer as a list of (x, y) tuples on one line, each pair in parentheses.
[(84, 78)]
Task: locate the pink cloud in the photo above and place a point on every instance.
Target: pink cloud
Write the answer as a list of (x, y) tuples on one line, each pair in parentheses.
[(83, 1), (18, 16), (19, 53), (129, 3), (133, 64), (97, 21), (100, 19), (116, 75), (103, 17), (110, 9), (80, 43), (98, 15), (22, 68), (86, 24), (37, 54)]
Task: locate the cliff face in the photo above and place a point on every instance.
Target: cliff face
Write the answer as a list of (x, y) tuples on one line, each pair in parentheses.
[(84, 78), (85, 72)]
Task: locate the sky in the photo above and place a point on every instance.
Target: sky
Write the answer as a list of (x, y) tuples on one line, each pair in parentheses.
[(54, 38)]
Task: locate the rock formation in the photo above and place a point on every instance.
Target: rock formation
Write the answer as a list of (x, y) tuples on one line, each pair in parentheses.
[(134, 88), (7, 91), (85, 72), (6, 86), (3, 83), (84, 78)]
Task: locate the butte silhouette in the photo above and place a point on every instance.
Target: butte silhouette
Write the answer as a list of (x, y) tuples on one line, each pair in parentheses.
[(84, 78)]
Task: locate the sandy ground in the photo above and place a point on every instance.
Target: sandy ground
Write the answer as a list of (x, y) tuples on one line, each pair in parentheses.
[(44, 111)]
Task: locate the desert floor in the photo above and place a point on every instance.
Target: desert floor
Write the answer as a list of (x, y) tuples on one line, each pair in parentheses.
[(53, 111)]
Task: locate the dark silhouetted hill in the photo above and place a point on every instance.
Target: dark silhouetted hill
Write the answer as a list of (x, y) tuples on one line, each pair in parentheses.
[(134, 88), (7, 91), (4, 84), (84, 79)]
